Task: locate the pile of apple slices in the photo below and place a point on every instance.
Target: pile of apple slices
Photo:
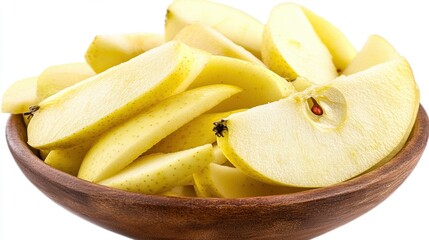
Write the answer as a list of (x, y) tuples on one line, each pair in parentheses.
[(222, 105)]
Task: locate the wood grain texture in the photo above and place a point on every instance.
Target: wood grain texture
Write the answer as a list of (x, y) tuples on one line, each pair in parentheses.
[(301, 215)]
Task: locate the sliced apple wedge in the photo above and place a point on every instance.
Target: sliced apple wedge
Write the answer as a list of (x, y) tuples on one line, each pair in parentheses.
[(236, 25), (57, 77), (204, 37), (219, 157), (259, 84), (376, 50), (291, 47), (106, 51), (20, 96), (87, 109), (328, 133), (228, 182), (118, 147), (158, 173), (180, 191), (341, 49), (69, 159), (195, 133)]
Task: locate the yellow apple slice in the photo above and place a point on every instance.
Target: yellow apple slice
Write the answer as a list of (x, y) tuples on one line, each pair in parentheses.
[(376, 50), (118, 147), (156, 173), (242, 29), (68, 160), (57, 77), (292, 48), (219, 157), (228, 182), (204, 37), (195, 133), (43, 153), (328, 133), (106, 51), (89, 108), (180, 191), (259, 84), (20, 96), (338, 44)]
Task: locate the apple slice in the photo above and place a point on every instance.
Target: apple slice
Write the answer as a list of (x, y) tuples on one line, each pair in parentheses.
[(227, 182), (292, 48), (328, 133), (236, 25), (208, 39), (180, 191), (20, 96), (106, 51), (68, 160), (341, 49), (57, 77), (87, 109), (376, 50), (118, 147), (219, 157), (259, 84), (195, 133), (156, 173)]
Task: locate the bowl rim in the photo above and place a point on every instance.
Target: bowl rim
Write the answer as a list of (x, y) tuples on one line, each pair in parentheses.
[(16, 139)]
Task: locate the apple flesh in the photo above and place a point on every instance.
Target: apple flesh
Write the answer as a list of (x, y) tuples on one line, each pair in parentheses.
[(366, 118)]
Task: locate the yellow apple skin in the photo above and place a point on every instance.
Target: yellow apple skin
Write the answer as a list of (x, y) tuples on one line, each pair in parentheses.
[(118, 147), (204, 37), (239, 27), (367, 118), (228, 182), (341, 49), (157, 173), (57, 77), (91, 107), (68, 160), (106, 51), (376, 50), (291, 47), (20, 96), (259, 84), (195, 133)]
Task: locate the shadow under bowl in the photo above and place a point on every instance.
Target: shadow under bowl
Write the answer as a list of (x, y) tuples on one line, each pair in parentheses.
[(301, 215)]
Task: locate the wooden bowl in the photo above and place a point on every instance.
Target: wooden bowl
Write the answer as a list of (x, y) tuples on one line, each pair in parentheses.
[(300, 215)]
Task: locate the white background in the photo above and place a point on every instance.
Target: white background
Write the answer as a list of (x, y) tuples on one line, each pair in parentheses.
[(37, 34)]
